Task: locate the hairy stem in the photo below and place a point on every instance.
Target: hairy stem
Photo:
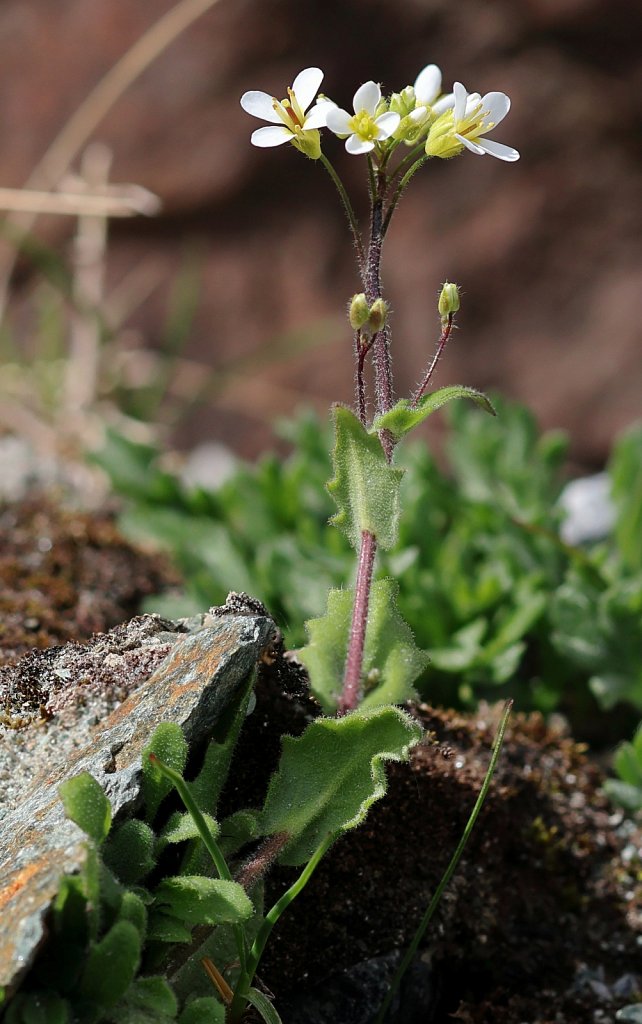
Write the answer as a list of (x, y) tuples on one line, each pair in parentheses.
[(445, 334), (354, 661)]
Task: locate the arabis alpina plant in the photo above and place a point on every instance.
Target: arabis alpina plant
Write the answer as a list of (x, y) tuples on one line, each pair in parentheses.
[(426, 123)]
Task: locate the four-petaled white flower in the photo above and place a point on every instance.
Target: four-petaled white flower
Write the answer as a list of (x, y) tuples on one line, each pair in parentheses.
[(471, 117), (363, 128), (288, 119)]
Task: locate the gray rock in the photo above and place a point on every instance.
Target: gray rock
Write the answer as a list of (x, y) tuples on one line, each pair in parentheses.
[(38, 845)]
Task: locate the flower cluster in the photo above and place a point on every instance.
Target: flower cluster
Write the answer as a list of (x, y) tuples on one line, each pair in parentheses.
[(418, 116)]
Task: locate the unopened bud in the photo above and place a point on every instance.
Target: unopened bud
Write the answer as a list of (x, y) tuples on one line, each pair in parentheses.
[(358, 311), (403, 102), (448, 300), (377, 317)]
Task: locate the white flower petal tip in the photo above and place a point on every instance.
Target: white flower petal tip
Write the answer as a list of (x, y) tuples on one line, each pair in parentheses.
[(287, 118), (366, 98), (428, 84)]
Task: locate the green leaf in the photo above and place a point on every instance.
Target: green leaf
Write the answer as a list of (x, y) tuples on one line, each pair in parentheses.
[(261, 1003), (329, 777), (133, 909), (154, 997), (129, 851), (166, 928), (181, 827), (206, 1010), (37, 1008), (237, 830), (169, 744), (625, 468), (85, 804), (197, 899), (391, 659), (365, 488), (111, 965), (401, 419)]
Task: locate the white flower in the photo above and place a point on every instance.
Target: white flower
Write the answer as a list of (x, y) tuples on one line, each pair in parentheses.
[(288, 117), (363, 129), (428, 87), (418, 104), (471, 117)]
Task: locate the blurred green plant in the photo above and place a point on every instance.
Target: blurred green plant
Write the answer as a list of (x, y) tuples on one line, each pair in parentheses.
[(487, 585)]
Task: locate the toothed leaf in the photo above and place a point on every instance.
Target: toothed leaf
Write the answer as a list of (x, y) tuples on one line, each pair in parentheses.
[(329, 777), (364, 487), (391, 660), (401, 419)]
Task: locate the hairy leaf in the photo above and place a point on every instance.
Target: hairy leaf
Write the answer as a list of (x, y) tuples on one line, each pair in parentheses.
[(86, 804), (365, 488), (206, 1010), (111, 965), (391, 660), (197, 899), (169, 744), (129, 851), (330, 776), (401, 419)]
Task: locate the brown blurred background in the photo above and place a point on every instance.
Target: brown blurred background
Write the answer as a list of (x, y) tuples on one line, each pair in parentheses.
[(547, 251)]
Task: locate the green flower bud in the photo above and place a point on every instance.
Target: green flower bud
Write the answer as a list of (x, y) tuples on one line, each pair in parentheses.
[(448, 300), (441, 139), (358, 311), (377, 317), (403, 102)]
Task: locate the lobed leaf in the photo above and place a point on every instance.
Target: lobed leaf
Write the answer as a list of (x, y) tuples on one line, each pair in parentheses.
[(364, 487), (329, 777), (391, 659), (85, 804), (403, 417)]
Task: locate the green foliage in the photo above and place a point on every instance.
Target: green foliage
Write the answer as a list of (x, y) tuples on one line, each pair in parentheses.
[(199, 900), (147, 1001), (364, 487), (111, 965), (403, 416), (627, 763), (86, 804), (626, 477), (205, 1010), (391, 660), (329, 777), (129, 851), (261, 1003), (38, 1008), (169, 744)]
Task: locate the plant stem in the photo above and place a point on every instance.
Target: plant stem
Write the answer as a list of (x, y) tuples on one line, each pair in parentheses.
[(347, 205), (372, 287), (445, 334), (454, 861), (354, 661), (399, 191), (271, 918)]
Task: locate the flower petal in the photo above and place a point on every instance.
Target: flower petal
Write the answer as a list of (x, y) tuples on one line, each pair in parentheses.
[(366, 97), (445, 103), (260, 104), (499, 150), (387, 124), (271, 135), (495, 106), (472, 146), (355, 145), (428, 84), (306, 85), (338, 121), (461, 97), (316, 116)]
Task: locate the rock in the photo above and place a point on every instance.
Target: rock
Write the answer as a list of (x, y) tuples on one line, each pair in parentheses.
[(38, 844)]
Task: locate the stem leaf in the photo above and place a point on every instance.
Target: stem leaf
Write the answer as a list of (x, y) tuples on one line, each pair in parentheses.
[(261, 1003), (364, 487), (329, 777), (391, 659), (403, 416)]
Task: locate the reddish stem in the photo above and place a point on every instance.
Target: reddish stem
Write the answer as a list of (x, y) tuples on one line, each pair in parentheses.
[(445, 334), (354, 662)]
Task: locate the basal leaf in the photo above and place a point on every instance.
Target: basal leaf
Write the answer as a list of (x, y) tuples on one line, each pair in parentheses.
[(401, 419), (391, 660), (169, 744), (86, 804), (206, 1010), (364, 487), (111, 965), (129, 851), (329, 777), (197, 899)]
